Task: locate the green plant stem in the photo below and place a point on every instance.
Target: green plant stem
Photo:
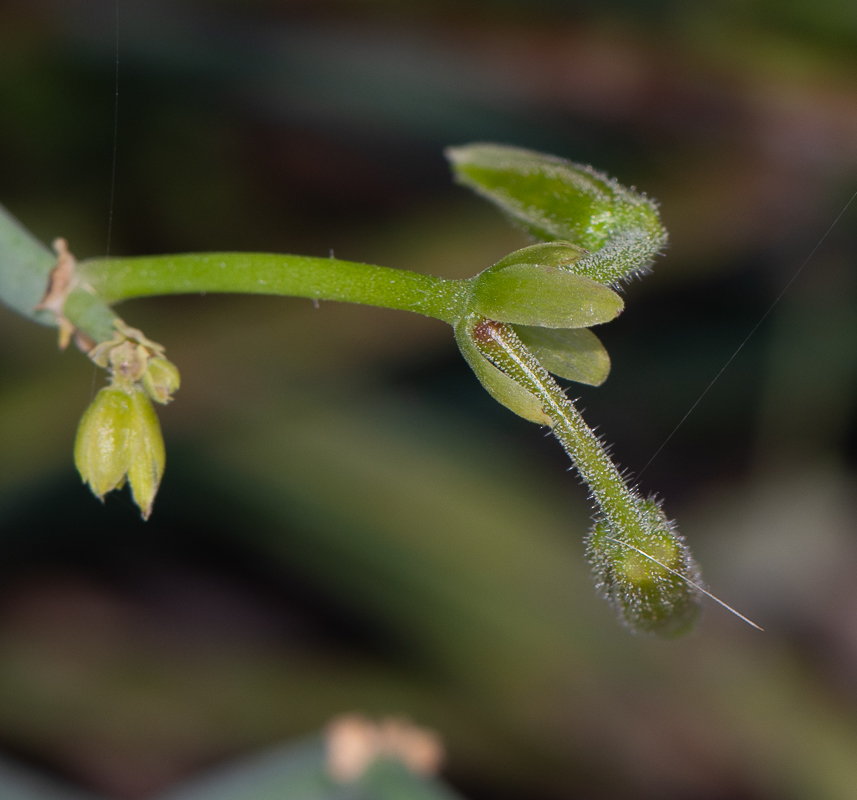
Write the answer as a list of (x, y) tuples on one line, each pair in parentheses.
[(118, 279), (25, 264), (500, 344)]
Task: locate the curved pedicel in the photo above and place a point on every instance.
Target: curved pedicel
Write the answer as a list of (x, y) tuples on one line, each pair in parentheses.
[(641, 564)]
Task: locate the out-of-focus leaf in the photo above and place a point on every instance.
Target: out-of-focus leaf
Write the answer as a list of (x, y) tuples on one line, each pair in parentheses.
[(389, 780), (533, 294), (572, 353), (17, 783), (298, 772)]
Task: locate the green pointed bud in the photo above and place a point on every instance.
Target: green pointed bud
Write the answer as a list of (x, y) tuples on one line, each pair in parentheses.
[(647, 575), (147, 455), (101, 451), (161, 379), (555, 199)]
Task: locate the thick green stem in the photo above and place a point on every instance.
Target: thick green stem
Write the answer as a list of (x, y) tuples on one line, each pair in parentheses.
[(25, 264), (263, 273)]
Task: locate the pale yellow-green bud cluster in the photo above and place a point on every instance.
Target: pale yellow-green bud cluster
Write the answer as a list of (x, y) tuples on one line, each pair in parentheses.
[(119, 437)]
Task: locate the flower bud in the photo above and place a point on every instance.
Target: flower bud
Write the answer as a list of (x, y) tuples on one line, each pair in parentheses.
[(101, 449), (648, 576), (161, 379), (119, 437), (147, 455)]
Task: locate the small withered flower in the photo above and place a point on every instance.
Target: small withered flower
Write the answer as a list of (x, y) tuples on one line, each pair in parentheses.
[(161, 379)]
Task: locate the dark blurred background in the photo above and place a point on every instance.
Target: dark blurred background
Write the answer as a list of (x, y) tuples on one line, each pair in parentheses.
[(347, 521)]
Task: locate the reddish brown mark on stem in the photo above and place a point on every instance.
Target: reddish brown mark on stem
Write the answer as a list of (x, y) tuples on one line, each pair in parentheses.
[(487, 331)]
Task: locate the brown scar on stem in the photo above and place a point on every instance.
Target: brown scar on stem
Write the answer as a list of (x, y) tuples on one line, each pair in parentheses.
[(486, 331), (60, 282)]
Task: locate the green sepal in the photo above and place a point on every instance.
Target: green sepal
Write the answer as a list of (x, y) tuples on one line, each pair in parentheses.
[(556, 199), (543, 295), (502, 388), (575, 354), (546, 254)]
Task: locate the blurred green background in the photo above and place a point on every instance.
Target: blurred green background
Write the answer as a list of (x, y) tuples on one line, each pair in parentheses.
[(347, 521)]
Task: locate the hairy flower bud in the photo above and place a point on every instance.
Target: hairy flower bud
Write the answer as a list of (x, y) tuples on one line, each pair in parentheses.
[(119, 438), (649, 578), (161, 379)]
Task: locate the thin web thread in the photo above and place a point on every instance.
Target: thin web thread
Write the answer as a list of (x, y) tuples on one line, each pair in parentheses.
[(115, 139), (113, 166), (686, 580), (749, 335)]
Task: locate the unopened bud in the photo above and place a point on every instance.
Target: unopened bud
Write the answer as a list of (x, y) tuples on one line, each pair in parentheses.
[(119, 437), (649, 577), (161, 379), (147, 453), (101, 448)]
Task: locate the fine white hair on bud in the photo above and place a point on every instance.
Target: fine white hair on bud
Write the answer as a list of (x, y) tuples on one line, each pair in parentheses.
[(647, 574)]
